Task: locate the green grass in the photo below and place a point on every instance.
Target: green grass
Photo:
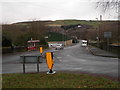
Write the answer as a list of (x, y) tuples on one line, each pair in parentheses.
[(58, 80), (73, 22)]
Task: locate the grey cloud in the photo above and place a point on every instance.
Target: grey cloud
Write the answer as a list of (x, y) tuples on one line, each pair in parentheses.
[(48, 9)]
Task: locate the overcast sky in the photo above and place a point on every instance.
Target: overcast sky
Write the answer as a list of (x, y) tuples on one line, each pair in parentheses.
[(24, 10)]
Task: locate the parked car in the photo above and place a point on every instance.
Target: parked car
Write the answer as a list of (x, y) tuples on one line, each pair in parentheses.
[(58, 47)]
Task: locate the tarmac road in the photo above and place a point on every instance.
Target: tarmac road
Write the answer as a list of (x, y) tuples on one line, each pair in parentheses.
[(72, 58)]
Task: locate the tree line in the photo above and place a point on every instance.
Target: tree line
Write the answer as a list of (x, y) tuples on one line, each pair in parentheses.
[(19, 33), (93, 32)]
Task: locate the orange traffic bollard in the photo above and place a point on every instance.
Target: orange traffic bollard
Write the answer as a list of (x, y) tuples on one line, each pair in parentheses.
[(41, 50), (50, 62)]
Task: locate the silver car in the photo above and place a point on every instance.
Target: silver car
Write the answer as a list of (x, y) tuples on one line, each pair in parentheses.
[(58, 47)]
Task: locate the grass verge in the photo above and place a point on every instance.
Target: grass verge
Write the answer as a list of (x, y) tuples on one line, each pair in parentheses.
[(58, 80)]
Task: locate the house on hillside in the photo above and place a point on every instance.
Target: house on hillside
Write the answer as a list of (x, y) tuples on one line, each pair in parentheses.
[(58, 38)]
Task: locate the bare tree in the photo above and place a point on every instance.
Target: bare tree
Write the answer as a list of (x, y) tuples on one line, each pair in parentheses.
[(109, 4)]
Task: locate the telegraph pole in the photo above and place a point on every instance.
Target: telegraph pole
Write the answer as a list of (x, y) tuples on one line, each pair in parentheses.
[(99, 31), (100, 17)]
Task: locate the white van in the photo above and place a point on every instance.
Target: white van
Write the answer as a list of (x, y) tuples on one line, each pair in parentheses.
[(84, 42)]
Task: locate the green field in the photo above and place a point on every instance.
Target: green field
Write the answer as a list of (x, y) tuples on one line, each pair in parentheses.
[(73, 22), (58, 80)]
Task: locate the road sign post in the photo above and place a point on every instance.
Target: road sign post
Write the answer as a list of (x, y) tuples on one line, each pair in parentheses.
[(108, 44), (23, 64), (107, 35)]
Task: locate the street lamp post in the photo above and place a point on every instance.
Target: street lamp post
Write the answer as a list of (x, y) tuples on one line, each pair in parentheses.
[(98, 34), (63, 33), (98, 31)]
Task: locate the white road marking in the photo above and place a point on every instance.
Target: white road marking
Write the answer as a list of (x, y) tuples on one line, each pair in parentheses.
[(114, 58), (60, 60), (87, 48), (59, 57), (82, 60), (68, 55), (78, 68)]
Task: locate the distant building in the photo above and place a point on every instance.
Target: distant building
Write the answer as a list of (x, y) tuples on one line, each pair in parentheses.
[(57, 38)]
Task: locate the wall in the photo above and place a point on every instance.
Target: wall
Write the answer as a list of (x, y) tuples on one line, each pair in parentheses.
[(66, 43)]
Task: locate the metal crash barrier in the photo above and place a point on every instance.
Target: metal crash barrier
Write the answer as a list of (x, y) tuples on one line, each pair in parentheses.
[(35, 59), (30, 60)]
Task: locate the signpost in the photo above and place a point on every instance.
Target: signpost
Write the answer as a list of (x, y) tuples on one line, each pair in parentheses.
[(107, 35)]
